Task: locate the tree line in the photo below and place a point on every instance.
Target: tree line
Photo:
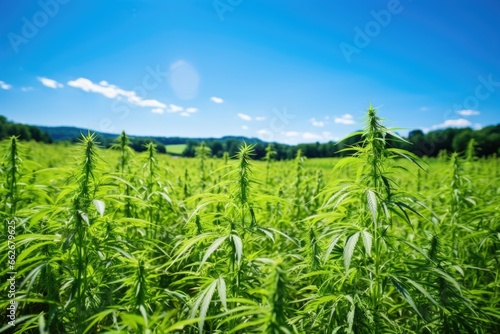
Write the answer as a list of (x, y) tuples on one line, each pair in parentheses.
[(22, 131), (486, 141)]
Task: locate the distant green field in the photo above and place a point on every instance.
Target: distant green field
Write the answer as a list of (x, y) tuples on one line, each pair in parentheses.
[(175, 149)]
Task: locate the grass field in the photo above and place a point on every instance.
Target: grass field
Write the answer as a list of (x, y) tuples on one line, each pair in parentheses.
[(112, 241), (175, 149)]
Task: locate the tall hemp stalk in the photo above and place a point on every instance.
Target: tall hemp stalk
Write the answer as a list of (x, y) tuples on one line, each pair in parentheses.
[(299, 167), (123, 146), (242, 189), (81, 220), (238, 209), (151, 167), (270, 153), (12, 167), (202, 153), (379, 202)]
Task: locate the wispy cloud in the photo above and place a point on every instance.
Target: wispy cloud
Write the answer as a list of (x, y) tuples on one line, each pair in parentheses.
[(112, 92), (185, 114), (5, 85), (152, 103), (244, 117), (174, 108), (103, 88), (26, 89), (317, 123), (291, 134), (260, 118), (453, 123), (468, 112), (50, 83), (311, 136), (424, 108), (245, 127), (191, 110), (157, 111), (346, 119), (217, 99)]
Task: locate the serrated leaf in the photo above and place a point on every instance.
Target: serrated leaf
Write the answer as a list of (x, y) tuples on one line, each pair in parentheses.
[(222, 292), (331, 246), (349, 249), (372, 204), (213, 247), (188, 245), (41, 324), (84, 217), (448, 278), (207, 298), (459, 269), (266, 232), (350, 315), (238, 246), (423, 291), (144, 314), (404, 293), (367, 241), (100, 206)]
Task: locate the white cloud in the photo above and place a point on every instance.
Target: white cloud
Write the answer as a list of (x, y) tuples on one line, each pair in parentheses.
[(191, 110), (478, 126), (346, 119), (157, 111), (244, 127), (114, 92), (264, 134), (109, 91), (295, 137), (244, 117), (314, 122), (185, 114), (311, 136), (50, 83), (5, 85), (174, 108), (291, 134), (146, 103), (468, 112), (328, 136), (217, 99), (260, 118), (26, 89), (453, 123)]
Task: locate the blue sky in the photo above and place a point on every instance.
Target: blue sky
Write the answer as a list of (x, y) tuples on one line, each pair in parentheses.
[(285, 70)]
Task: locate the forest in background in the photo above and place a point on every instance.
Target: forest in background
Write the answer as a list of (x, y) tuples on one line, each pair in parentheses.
[(486, 140)]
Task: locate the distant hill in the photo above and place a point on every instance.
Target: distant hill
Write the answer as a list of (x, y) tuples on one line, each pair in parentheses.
[(70, 133), (485, 141), (73, 134), (22, 131)]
